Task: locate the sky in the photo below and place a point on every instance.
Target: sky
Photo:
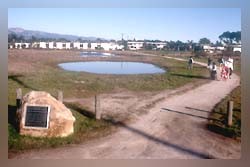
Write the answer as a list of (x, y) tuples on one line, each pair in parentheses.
[(139, 23)]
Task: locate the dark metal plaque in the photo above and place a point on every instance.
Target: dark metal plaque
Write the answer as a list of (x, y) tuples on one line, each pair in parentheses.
[(36, 116)]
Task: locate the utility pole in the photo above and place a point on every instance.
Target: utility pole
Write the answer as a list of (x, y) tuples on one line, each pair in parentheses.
[(122, 36)]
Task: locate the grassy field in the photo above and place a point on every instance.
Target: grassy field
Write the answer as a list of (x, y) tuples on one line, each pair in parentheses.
[(45, 75), (220, 113), (38, 70)]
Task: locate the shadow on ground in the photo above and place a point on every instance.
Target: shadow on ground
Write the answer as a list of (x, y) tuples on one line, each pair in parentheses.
[(192, 115), (16, 79), (84, 112), (191, 76), (191, 108), (12, 117)]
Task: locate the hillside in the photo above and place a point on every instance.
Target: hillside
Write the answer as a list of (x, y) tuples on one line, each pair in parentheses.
[(28, 34)]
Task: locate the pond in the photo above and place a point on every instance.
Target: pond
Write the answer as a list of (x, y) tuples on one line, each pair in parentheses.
[(109, 67), (99, 54)]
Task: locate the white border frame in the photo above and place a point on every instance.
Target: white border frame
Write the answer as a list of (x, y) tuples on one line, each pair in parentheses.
[(24, 116)]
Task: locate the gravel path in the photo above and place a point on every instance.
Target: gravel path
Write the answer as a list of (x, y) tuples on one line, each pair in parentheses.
[(174, 127)]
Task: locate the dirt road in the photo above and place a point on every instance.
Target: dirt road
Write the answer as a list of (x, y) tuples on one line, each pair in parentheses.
[(172, 126)]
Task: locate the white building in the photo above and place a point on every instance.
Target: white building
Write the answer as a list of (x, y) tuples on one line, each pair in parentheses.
[(59, 45), (109, 46), (42, 45), (237, 49), (79, 45), (62, 45), (221, 48), (106, 46), (117, 47), (67, 45), (95, 45), (26, 45), (21, 45), (159, 45), (134, 45), (208, 48), (11, 46), (18, 45), (51, 45)]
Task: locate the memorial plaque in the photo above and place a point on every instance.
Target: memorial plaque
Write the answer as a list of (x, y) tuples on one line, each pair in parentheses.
[(37, 116)]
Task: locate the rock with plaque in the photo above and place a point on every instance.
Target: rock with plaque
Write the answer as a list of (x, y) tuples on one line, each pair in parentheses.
[(44, 116)]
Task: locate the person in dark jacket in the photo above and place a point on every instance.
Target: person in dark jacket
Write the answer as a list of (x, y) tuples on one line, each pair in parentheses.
[(214, 71), (190, 62)]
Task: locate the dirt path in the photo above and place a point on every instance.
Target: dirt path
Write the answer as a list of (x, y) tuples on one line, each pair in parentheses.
[(172, 127)]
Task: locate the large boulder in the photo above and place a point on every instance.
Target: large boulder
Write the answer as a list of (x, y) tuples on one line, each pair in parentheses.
[(60, 119)]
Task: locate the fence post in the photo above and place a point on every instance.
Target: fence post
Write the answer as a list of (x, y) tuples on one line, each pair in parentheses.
[(18, 104), (230, 113), (60, 96), (97, 108)]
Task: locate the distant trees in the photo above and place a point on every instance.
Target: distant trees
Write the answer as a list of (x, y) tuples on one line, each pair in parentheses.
[(218, 43), (12, 38), (79, 40), (124, 43), (230, 37), (15, 38), (33, 39), (204, 41), (179, 45), (149, 46), (62, 40)]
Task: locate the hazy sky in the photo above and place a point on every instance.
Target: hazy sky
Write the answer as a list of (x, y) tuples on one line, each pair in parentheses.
[(139, 23)]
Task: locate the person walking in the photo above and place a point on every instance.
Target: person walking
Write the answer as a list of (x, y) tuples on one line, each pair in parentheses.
[(214, 71), (224, 72), (221, 62), (209, 61), (190, 62), (230, 62)]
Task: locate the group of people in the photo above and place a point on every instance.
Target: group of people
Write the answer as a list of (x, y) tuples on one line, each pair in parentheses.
[(226, 68)]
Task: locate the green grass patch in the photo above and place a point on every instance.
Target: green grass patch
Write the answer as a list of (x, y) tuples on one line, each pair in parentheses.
[(219, 113)]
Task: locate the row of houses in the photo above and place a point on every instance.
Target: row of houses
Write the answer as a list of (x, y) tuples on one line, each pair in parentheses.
[(213, 49), (132, 45), (136, 45), (67, 45)]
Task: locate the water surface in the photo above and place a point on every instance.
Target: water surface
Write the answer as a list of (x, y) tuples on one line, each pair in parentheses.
[(109, 67)]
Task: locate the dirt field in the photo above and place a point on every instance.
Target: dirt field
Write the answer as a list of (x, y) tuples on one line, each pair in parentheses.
[(166, 124)]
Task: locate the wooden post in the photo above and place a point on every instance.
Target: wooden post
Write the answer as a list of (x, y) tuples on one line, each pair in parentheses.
[(18, 98), (230, 113), (97, 108), (60, 96), (18, 105)]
